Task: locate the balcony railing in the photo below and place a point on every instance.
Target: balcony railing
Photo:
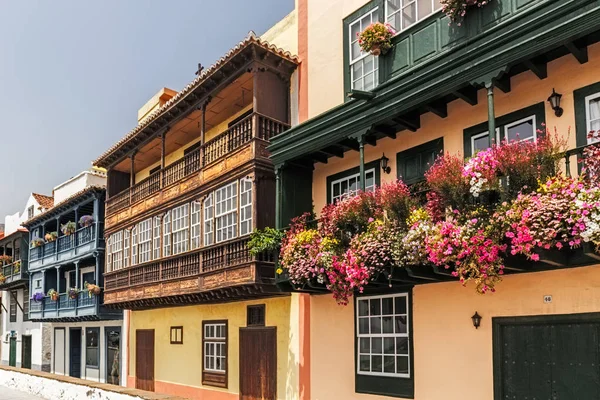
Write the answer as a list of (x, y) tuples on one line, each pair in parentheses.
[(64, 307), (81, 237), (12, 272), (222, 256), (232, 139)]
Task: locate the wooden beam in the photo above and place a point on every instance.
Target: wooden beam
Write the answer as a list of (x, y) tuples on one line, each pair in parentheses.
[(412, 122), (385, 130), (439, 108), (579, 52), (350, 144), (319, 157), (538, 67), (333, 151), (370, 139), (503, 83), (467, 94)]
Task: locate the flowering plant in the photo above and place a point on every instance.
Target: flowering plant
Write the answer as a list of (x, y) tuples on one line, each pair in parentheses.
[(37, 242), (53, 294), (591, 156), (395, 201), (86, 220), (73, 293), (409, 249), (2, 278), (5, 259), (482, 170), (446, 180), (587, 206), (266, 240), (17, 267), (351, 214), (50, 236), (457, 9), (38, 297), (69, 228), (376, 38), (92, 289)]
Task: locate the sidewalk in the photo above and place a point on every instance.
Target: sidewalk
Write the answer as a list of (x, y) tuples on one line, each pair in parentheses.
[(11, 394)]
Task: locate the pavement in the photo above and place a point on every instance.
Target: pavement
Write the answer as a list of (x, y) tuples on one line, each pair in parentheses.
[(11, 394)]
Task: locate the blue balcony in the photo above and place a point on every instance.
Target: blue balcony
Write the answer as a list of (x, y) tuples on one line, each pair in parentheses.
[(64, 248), (13, 275), (84, 307)]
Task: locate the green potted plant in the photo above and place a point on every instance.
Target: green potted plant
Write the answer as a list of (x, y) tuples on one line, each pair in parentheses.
[(69, 228), (51, 236), (376, 38), (37, 242), (53, 294), (92, 289), (17, 267)]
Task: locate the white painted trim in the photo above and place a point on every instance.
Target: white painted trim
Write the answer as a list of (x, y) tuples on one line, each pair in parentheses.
[(510, 125), (588, 122), (417, 20)]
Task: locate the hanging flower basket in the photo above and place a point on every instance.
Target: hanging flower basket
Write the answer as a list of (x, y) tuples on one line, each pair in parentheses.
[(457, 9), (86, 220), (69, 228), (376, 38), (37, 242), (53, 294), (4, 260), (73, 293), (92, 289), (51, 236), (17, 267), (2, 278), (38, 297)]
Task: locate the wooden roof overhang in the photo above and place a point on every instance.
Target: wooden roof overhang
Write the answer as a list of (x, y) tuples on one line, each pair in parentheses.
[(252, 52), (65, 206), (22, 233), (528, 40)]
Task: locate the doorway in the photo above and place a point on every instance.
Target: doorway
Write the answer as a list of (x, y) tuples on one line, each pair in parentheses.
[(75, 352), (258, 363), (113, 355), (26, 351), (144, 359), (12, 352)]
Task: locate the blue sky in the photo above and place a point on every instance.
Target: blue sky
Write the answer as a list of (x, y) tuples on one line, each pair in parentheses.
[(74, 73)]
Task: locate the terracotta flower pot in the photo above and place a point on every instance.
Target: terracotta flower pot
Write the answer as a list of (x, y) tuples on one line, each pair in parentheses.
[(54, 297), (376, 50)]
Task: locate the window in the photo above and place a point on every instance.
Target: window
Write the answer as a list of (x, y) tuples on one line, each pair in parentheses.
[(364, 67), (255, 315), (208, 220), (12, 307), (26, 303), (134, 248), (87, 276), (413, 163), (592, 113), (30, 212), (181, 223), (117, 250), (226, 212), (401, 14), (109, 254), (196, 213), (126, 248), (383, 344), (347, 183), (214, 344), (145, 240), (38, 283), (245, 206), (177, 335), (92, 338), (519, 125), (156, 243), (167, 250), (587, 112)]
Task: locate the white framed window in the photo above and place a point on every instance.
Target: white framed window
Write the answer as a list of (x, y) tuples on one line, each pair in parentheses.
[(145, 240), (209, 220), (350, 185), (592, 114), (481, 141), (117, 250), (108, 254), (402, 14), (383, 335), (195, 224), (126, 247), (180, 228), (134, 247), (167, 249), (364, 67), (522, 130), (226, 212), (215, 347), (156, 238), (245, 206)]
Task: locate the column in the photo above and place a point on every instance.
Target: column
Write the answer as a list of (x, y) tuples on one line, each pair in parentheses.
[(162, 157), (58, 279), (76, 275), (57, 235), (203, 132), (76, 229), (278, 172), (491, 114), (361, 149)]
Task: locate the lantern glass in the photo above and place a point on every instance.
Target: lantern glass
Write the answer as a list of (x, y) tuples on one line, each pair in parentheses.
[(476, 320)]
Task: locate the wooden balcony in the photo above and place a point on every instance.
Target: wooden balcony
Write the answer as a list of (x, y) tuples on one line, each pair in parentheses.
[(66, 309), (65, 248), (14, 274), (242, 142), (222, 272)]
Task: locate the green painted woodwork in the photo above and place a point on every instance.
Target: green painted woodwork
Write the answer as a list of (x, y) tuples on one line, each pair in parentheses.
[(537, 109), (579, 96), (294, 193), (503, 33), (12, 352), (547, 357), (352, 171), (414, 162)]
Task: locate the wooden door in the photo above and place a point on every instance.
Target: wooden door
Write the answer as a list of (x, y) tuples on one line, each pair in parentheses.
[(75, 352), (547, 358), (26, 351), (12, 352), (144, 359), (258, 363)]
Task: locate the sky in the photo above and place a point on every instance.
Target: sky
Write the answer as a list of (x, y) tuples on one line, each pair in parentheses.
[(74, 73)]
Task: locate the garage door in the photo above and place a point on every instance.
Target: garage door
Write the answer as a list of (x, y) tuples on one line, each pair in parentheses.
[(547, 357)]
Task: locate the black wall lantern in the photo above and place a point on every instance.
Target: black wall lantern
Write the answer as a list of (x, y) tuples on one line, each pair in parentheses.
[(554, 101), (476, 320), (384, 164)]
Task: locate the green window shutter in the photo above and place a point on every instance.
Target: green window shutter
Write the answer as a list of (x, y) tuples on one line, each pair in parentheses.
[(413, 163)]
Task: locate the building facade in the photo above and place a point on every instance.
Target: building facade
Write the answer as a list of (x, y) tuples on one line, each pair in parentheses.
[(186, 188), (66, 263), (369, 120), (24, 343)]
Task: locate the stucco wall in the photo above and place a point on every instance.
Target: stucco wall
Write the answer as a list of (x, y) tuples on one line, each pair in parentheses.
[(173, 373), (76, 184), (14, 221), (452, 360), (564, 74), (284, 34)]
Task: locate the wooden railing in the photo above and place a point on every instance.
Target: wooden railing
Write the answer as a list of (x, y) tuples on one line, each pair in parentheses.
[(255, 126), (12, 270), (226, 255), (81, 236), (64, 302)]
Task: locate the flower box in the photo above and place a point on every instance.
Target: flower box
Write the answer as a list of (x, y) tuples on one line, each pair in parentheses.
[(590, 250), (553, 257)]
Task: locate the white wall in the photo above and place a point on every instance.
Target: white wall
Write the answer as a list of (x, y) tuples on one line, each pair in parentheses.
[(92, 374), (14, 221), (77, 184)]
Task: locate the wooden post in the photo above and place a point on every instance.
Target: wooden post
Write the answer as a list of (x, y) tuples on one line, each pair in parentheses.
[(76, 274), (57, 235), (132, 176), (76, 229), (162, 157), (58, 280), (203, 131), (278, 193), (491, 115)]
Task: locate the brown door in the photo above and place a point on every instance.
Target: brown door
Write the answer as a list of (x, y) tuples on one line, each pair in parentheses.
[(258, 363), (144, 359)]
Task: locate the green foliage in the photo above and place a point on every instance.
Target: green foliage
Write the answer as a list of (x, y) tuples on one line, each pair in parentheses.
[(268, 239)]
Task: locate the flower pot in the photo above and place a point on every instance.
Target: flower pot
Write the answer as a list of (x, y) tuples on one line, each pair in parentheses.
[(553, 257), (2, 279), (376, 50), (54, 297)]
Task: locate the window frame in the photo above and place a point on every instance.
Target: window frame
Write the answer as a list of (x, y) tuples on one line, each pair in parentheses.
[(249, 205), (145, 229), (223, 216), (386, 385), (208, 235), (331, 179), (417, 20), (97, 330), (176, 335), (12, 306), (26, 303), (435, 145), (588, 99), (180, 236), (211, 377), (363, 55), (195, 228)]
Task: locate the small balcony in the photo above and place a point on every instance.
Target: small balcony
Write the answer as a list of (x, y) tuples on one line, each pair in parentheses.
[(242, 135), (81, 308), (64, 248), (12, 275)]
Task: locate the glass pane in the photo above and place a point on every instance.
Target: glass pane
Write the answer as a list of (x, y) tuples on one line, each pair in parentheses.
[(408, 15), (365, 21), (363, 325), (401, 345), (375, 324), (375, 307), (365, 345), (354, 31), (402, 365), (400, 305), (389, 364), (376, 346), (401, 325), (370, 180), (368, 64), (363, 307), (481, 143), (336, 190), (358, 85), (522, 131), (424, 8), (594, 109), (377, 363), (369, 83), (355, 51), (394, 21), (437, 4), (365, 363), (388, 325), (387, 306), (388, 345), (344, 186)]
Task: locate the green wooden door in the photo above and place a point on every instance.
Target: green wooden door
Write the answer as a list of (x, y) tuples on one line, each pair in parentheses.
[(12, 353), (26, 351), (554, 357)]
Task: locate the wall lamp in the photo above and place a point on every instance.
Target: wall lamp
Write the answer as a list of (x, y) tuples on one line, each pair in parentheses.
[(476, 320), (554, 101), (384, 164)]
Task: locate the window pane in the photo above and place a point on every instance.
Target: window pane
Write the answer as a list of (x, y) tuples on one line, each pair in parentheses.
[(522, 131), (424, 8), (365, 363), (387, 306), (376, 346), (365, 345), (401, 325), (389, 346), (389, 364), (375, 324), (363, 307), (375, 307), (402, 364), (388, 324), (401, 345), (377, 363), (400, 303), (408, 15), (481, 143), (363, 325)]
